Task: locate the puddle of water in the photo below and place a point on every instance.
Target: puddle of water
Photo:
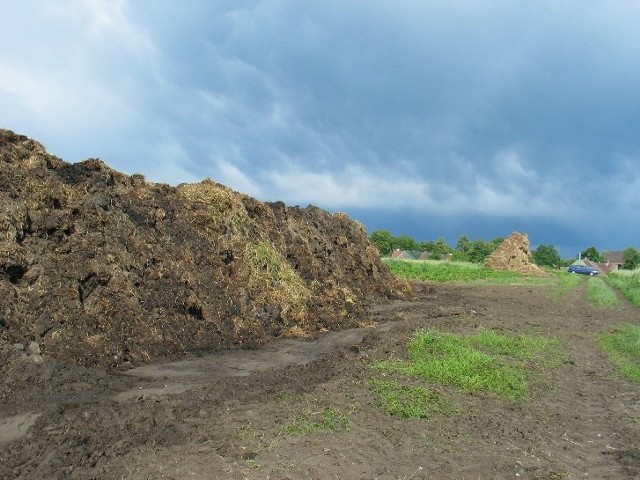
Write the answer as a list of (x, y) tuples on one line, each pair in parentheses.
[(15, 427)]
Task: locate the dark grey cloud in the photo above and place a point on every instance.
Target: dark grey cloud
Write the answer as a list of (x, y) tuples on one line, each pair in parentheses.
[(454, 117)]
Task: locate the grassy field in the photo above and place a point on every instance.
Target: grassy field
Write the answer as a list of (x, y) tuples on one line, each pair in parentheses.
[(467, 272), (564, 282), (623, 344), (623, 347), (628, 282), (489, 361), (600, 293)]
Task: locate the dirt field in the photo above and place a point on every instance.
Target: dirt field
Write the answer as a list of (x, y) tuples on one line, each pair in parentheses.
[(223, 416)]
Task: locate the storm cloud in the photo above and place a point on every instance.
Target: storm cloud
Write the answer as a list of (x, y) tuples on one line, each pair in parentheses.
[(425, 118)]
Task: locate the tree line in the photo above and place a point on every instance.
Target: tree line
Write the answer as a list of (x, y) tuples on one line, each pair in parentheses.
[(465, 249), (477, 250)]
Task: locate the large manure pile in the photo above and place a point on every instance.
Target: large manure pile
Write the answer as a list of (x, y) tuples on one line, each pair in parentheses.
[(99, 267), (513, 254)]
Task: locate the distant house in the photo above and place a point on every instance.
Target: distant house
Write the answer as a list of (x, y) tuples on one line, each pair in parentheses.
[(429, 255), (613, 259), (406, 254), (415, 255)]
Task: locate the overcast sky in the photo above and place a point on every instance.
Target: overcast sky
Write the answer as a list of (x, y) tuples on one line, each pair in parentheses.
[(425, 118)]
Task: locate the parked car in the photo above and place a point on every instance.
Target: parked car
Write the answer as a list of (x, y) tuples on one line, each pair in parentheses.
[(583, 269)]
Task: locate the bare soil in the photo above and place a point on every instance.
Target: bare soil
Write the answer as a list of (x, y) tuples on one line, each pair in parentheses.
[(222, 415)]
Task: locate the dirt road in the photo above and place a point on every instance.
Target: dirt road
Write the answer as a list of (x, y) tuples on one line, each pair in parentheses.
[(225, 415)]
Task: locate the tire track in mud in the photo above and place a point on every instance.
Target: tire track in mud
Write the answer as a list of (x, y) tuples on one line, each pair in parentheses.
[(592, 389), (180, 375), (177, 376)]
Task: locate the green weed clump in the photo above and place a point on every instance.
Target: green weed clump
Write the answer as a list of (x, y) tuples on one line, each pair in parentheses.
[(407, 401), (628, 282), (266, 260), (318, 419), (545, 351), (486, 361), (600, 293), (623, 347), (279, 283), (465, 272)]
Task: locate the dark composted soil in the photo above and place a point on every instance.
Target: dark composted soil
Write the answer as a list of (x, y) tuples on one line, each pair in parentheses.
[(102, 268), (201, 418)]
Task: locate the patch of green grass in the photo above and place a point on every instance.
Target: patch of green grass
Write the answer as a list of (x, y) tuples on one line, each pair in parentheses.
[(600, 293), (318, 419), (623, 347), (405, 401), (565, 282), (266, 260), (464, 272), (628, 282), (486, 361), (545, 350)]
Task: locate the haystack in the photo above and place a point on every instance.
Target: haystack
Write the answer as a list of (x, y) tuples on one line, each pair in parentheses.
[(513, 254)]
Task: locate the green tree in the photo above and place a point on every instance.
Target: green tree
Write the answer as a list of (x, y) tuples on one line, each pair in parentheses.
[(436, 248), (497, 241), (631, 258), (476, 251), (463, 245), (459, 256), (592, 254), (405, 242), (461, 252), (567, 261), (383, 241), (442, 246), (480, 250), (546, 255), (428, 246)]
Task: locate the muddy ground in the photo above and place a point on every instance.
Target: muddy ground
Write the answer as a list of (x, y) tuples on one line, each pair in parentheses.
[(224, 415)]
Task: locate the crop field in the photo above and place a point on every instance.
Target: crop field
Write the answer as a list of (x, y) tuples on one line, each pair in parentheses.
[(467, 272)]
